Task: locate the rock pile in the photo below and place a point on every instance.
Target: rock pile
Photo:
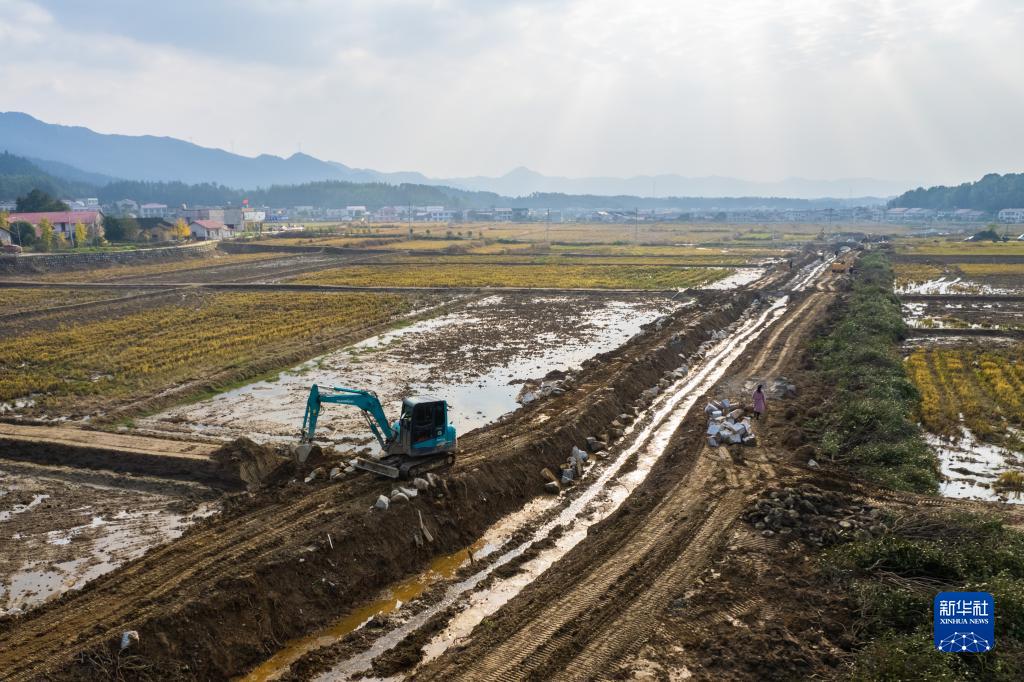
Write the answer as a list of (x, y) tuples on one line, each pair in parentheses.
[(554, 382), (817, 517), (727, 423)]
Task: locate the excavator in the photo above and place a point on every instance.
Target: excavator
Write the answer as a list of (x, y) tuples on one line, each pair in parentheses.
[(422, 439)]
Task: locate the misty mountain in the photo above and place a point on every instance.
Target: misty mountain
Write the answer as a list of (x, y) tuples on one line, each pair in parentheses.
[(19, 176), (523, 181), (149, 158)]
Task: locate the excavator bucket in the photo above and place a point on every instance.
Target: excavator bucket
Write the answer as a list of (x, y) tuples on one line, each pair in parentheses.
[(377, 467), (301, 452)]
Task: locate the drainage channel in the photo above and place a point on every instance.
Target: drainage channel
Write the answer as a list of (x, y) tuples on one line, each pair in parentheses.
[(648, 436)]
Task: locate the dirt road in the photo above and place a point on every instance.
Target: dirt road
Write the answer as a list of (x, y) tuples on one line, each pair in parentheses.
[(595, 606)]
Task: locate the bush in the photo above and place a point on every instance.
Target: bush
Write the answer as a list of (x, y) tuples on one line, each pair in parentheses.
[(868, 421)]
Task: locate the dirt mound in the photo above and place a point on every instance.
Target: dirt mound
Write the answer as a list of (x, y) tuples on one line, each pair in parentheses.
[(250, 464)]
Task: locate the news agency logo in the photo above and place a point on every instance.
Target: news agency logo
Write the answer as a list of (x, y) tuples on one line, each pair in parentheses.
[(965, 622)]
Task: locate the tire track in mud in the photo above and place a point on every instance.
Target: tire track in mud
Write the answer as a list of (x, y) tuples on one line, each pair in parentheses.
[(573, 626)]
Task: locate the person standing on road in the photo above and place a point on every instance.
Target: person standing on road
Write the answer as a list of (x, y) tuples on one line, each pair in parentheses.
[(759, 402)]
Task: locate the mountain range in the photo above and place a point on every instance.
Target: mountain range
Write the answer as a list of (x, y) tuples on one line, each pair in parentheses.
[(80, 154)]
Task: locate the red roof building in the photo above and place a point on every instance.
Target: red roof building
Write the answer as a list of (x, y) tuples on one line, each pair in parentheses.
[(63, 221)]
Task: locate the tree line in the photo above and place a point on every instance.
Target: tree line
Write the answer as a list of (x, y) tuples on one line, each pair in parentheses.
[(991, 194)]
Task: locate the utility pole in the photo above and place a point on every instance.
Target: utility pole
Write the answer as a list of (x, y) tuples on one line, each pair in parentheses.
[(547, 227), (636, 225)]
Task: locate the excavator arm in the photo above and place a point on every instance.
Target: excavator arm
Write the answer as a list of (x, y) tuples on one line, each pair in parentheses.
[(364, 400)]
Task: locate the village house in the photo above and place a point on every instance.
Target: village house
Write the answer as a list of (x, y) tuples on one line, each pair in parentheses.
[(5, 236), (157, 229), (153, 211), (209, 229), (63, 222)]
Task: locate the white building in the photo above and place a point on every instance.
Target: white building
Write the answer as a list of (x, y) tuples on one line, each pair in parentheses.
[(209, 229), (153, 211), (1011, 215)]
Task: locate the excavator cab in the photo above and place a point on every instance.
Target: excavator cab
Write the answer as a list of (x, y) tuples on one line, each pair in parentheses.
[(424, 426)]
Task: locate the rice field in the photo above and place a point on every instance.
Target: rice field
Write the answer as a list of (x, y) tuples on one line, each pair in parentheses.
[(142, 353), (656, 277), (115, 272), (977, 387), (947, 247), (19, 300)]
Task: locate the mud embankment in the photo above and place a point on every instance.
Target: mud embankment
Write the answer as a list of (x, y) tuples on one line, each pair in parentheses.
[(206, 470), (288, 562)]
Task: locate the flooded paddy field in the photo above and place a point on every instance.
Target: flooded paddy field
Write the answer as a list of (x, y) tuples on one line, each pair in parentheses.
[(62, 527), (478, 357), (972, 412), (950, 313)]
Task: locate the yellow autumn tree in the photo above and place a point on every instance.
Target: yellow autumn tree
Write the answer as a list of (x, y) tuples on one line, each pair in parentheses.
[(5, 220), (181, 230), (81, 234), (45, 235)]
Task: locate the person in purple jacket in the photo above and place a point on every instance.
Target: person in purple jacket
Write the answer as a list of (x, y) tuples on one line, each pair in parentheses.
[(759, 402)]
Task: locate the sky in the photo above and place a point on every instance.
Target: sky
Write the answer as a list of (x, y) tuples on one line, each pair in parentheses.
[(924, 91)]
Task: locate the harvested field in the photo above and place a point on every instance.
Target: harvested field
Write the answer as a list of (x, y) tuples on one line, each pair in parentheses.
[(27, 300), (177, 267), (960, 278), (178, 350), (725, 258), (540, 276), (503, 341), (977, 387)]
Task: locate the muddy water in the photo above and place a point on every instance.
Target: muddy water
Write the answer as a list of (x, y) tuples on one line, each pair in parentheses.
[(739, 278), (605, 489), (944, 286), (970, 467), (67, 534), (475, 358)]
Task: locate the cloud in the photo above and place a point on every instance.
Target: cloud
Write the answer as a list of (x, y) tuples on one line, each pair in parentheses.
[(762, 89)]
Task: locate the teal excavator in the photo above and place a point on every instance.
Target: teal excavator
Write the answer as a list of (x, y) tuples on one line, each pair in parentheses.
[(422, 439)]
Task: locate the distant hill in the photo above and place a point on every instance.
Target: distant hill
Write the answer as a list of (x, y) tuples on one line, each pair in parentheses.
[(19, 176), (523, 182), (992, 193), (167, 159)]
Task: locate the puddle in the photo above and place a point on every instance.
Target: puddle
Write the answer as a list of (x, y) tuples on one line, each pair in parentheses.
[(970, 467), (603, 494), (48, 557), (476, 358), (740, 277), (21, 508), (809, 274), (950, 287)]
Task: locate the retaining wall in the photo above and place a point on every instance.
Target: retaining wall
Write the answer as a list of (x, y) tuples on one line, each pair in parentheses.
[(47, 262)]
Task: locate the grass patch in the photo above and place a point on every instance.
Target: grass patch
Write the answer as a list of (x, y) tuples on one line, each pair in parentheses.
[(867, 421), (893, 580)]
